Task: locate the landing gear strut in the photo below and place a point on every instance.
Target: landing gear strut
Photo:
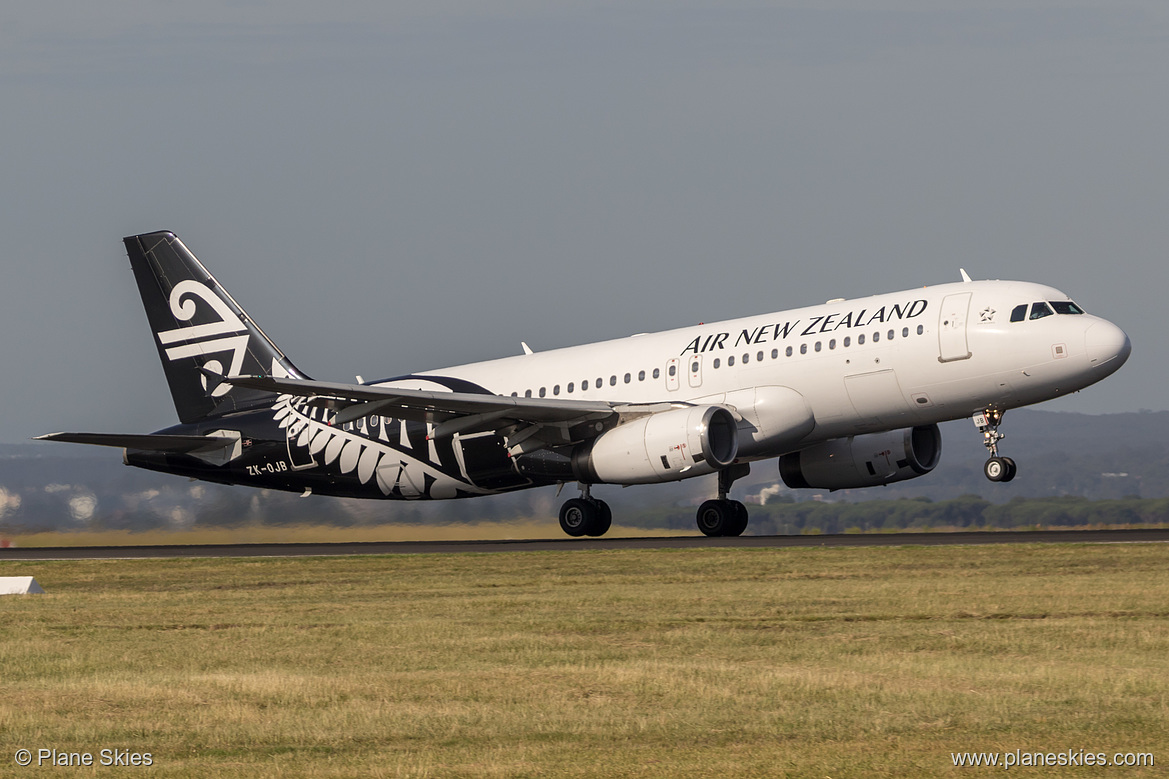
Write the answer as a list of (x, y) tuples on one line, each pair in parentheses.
[(586, 515), (722, 517), (996, 468)]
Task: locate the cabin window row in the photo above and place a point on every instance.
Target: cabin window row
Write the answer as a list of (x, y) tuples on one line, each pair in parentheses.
[(745, 359)]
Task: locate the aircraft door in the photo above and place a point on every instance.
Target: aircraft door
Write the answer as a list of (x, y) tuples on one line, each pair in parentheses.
[(672, 369), (952, 317), (695, 365)]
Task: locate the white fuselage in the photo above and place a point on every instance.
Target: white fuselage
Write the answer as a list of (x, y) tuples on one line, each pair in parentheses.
[(878, 363)]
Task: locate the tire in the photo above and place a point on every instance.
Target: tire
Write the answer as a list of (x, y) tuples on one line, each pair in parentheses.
[(1012, 469), (603, 520), (716, 517), (741, 519), (577, 517), (996, 469)]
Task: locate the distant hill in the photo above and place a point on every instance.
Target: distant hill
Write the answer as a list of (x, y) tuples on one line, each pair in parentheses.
[(47, 486)]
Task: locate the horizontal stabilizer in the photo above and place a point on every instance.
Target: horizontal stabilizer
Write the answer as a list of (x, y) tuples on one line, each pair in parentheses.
[(178, 444)]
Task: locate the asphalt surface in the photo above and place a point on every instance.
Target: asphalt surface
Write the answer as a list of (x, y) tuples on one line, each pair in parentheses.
[(580, 544)]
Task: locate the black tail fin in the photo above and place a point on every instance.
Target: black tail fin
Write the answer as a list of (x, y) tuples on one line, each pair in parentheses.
[(198, 325)]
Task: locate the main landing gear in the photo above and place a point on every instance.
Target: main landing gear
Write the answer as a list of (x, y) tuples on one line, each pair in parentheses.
[(586, 515), (996, 468), (722, 517)]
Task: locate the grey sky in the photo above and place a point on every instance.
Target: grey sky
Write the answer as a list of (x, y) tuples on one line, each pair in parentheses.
[(399, 187)]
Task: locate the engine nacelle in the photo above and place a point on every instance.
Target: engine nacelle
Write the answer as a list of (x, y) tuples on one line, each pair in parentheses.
[(666, 446), (864, 460)]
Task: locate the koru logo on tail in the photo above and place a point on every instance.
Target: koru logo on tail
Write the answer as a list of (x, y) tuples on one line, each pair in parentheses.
[(229, 334)]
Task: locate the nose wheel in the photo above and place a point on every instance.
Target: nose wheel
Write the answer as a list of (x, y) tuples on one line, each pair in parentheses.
[(999, 469), (996, 468)]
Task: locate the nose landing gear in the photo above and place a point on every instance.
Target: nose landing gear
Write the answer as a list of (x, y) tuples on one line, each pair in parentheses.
[(996, 468)]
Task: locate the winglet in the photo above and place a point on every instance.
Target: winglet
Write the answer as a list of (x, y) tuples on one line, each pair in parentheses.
[(965, 275), (527, 349)]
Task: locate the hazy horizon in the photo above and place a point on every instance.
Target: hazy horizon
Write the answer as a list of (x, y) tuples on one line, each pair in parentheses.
[(389, 189)]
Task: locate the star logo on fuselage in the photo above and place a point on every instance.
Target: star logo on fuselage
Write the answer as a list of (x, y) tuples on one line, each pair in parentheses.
[(987, 314)]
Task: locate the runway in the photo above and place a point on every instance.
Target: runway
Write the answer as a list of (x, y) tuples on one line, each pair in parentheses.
[(581, 544)]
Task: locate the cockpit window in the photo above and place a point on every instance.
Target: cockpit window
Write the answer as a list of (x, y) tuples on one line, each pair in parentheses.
[(1019, 313), (1066, 307), (1040, 310)]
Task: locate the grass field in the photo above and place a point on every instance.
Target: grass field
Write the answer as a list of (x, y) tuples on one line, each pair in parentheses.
[(813, 662), (287, 534)]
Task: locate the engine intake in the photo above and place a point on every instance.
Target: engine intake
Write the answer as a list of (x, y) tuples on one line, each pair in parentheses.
[(864, 460), (661, 447)]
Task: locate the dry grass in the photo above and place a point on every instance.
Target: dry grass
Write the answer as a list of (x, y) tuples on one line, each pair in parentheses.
[(803, 662), (267, 534)]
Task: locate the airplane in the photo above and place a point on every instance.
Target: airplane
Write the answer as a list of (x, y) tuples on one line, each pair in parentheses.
[(844, 395)]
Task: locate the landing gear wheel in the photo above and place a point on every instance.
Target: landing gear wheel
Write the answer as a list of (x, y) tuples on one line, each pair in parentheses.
[(578, 516), (719, 518), (585, 517), (604, 519), (741, 518), (998, 469), (1012, 469)]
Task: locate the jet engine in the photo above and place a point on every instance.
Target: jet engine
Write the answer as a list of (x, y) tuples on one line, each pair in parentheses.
[(666, 446), (864, 460)]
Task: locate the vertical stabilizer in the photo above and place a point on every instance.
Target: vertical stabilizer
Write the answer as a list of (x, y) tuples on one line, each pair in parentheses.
[(197, 324)]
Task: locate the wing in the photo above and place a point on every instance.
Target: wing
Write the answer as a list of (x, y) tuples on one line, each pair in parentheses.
[(550, 420)]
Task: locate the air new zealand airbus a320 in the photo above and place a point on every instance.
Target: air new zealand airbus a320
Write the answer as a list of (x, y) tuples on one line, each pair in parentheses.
[(845, 395)]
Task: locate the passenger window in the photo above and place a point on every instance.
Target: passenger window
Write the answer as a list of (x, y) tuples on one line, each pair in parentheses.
[(817, 346), (673, 370), (717, 363), (775, 354), (570, 387), (1019, 313), (876, 337), (920, 329), (1066, 307), (847, 342), (584, 385), (543, 392), (730, 360), (1040, 310), (515, 394), (600, 382), (746, 358), (788, 352), (759, 357), (527, 393), (556, 390), (628, 378), (832, 343), (803, 348), (905, 332), (641, 375), (890, 335), (612, 381), (860, 340), (657, 372)]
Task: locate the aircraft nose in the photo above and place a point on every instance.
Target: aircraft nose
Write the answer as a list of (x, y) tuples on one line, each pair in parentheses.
[(1106, 344)]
